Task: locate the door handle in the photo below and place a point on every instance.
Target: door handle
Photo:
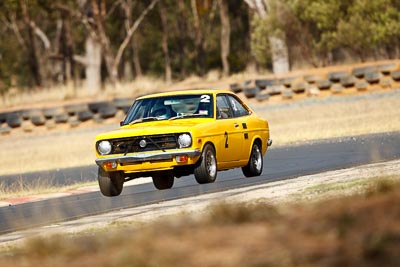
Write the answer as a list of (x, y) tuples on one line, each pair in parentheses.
[(236, 125)]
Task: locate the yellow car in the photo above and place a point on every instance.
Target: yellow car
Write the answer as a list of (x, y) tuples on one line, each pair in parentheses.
[(180, 133)]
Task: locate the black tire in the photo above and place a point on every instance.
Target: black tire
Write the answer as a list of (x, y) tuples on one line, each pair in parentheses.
[(96, 106), (255, 165), (262, 96), (288, 81), (385, 69), (264, 83), (235, 87), (163, 179), (3, 117), (73, 109), (110, 183), (30, 113), (373, 77), (251, 92), (299, 87), (337, 75), (395, 75), (349, 81), (275, 89), (50, 113), (324, 84), (107, 112), (312, 78), (14, 120), (206, 169), (61, 118), (38, 120), (360, 71), (84, 115)]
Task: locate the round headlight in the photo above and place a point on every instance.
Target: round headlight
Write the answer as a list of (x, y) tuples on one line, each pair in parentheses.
[(184, 140), (104, 147)]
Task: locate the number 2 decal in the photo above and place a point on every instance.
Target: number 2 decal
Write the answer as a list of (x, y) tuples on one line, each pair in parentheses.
[(205, 99), (226, 140)]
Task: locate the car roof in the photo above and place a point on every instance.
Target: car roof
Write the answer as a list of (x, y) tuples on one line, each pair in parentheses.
[(186, 92)]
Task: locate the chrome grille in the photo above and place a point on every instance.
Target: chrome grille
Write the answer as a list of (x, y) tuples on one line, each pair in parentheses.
[(153, 142)]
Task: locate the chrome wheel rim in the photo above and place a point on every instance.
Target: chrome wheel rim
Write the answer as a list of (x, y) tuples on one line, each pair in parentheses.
[(256, 158), (211, 163)]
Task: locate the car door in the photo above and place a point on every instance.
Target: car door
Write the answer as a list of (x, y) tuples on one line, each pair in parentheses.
[(230, 134), (241, 115)]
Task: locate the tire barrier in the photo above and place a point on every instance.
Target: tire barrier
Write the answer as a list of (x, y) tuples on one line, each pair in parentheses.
[(359, 79), (72, 114), (337, 75)]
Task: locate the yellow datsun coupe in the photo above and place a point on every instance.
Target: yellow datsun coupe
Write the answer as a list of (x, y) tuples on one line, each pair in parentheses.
[(175, 134)]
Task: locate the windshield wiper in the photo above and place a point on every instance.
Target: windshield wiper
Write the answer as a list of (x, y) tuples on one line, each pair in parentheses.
[(186, 116), (144, 120)]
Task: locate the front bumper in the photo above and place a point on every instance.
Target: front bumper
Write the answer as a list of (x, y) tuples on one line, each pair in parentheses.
[(147, 157)]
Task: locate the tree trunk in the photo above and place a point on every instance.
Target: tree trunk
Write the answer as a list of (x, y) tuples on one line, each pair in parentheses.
[(164, 22), (279, 49), (199, 40), (136, 57), (280, 55), (98, 16), (127, 6), (92, 65), (31, 47), (182, 28), (225, 35), (67, 47)]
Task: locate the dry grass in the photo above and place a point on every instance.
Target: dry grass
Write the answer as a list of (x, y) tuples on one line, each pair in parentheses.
[(321, 120), (51, 151), (352, 231), (60, 94), (22, 188)]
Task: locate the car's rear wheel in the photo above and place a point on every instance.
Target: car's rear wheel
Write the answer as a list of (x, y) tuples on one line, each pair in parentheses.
[(206, 170), (110, 183), (255, 165), (163, 179)]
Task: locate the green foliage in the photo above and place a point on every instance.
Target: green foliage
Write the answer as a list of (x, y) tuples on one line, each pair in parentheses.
[(313, 31), (317, 28)]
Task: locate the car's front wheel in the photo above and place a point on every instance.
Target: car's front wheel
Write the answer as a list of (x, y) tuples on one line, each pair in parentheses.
[(206, 170), (110, 183), (163, 179), (255, 165)]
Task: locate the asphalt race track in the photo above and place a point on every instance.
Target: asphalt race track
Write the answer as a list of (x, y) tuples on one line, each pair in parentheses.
[(279, 164)]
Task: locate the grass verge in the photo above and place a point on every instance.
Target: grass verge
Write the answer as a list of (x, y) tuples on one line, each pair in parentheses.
[(22, 188), (360, 230)]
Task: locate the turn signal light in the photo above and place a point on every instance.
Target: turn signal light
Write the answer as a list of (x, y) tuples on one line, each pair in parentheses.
[(110, 165), (182, 158)]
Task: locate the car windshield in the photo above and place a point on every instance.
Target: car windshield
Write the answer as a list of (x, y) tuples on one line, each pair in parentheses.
[(170, 107)]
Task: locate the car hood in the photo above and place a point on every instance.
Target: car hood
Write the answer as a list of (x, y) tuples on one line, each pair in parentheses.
[(153, 128)]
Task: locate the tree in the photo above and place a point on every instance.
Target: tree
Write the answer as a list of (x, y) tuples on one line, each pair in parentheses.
[(277, 43), (165, 30), (225, 35)]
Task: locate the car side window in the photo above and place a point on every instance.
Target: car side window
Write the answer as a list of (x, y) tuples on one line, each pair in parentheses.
[(224, 111), (237, 107)]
